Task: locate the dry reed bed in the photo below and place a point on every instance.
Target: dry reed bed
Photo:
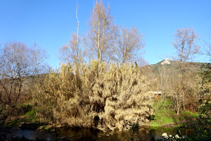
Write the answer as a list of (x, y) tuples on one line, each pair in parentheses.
[(102, 96)]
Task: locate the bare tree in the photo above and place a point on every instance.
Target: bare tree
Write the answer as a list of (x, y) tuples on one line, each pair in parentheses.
[(185, 43), (101, 36), (129, 42), (18, 64), (72, 52), (186, 47)]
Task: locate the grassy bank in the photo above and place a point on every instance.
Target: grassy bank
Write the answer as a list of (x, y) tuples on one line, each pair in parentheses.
[(21, 113), (165, 116)]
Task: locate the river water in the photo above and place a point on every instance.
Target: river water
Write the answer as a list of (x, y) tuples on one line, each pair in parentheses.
[(144, 134)]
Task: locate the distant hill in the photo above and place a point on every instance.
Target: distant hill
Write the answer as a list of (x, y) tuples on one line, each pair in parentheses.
[(169, 64)]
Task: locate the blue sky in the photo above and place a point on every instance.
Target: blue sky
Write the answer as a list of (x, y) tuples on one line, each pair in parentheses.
[(50, 23)]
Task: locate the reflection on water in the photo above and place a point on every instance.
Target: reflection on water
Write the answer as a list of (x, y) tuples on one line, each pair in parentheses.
[(30, 134), (145, 134)]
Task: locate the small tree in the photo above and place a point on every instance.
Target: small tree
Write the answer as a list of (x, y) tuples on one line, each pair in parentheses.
[(18, 64), (129, 42), (185, 43)]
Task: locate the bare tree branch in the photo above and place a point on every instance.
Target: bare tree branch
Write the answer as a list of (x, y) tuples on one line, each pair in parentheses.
[(129, 42), (18, 64), (185, 44)]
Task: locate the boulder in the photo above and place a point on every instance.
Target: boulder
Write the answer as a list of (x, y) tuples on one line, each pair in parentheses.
[(165, 136)]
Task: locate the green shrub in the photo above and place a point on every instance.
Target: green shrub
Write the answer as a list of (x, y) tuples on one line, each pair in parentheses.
[(194, 115), (31, 115), (13, 123)]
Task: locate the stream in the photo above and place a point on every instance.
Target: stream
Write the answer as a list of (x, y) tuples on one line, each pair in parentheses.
[(145, 134)]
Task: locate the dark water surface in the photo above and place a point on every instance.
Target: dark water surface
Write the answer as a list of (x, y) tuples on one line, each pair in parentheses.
[(144, 134)]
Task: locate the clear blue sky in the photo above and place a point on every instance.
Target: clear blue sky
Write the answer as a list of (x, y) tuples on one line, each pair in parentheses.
[(49, 23)]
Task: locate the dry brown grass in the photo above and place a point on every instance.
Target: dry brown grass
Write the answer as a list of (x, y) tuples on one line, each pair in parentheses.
[(106, 97)]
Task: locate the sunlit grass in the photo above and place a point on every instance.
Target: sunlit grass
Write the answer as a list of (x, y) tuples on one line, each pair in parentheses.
[(194, 115), (163, 114), (162, 119)]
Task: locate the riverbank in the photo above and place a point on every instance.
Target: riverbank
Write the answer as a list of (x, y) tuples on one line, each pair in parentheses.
[(50, 132), (163, 118), (163, 121)]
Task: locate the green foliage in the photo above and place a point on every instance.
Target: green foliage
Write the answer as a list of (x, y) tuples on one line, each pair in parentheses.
[(42, 127), (162, 120), (163, 105), (31, 114), (26, 105), (163, 113), (47, 128), (194, 115), (13, 123), (205, 107)]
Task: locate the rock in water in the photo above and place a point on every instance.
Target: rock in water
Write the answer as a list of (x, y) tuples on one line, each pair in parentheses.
[(165, 136)]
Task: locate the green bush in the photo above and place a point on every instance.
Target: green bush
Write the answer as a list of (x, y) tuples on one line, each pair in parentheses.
[(194, 115), (31, 116)]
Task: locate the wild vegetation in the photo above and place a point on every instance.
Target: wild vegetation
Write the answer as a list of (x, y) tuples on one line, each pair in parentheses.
[(103, 96), (114, 89)]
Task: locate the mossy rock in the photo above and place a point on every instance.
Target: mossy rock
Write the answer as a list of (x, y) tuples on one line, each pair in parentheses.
[(46, 128)]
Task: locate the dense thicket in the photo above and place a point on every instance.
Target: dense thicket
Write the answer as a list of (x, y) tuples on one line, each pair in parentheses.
[(103, 96)]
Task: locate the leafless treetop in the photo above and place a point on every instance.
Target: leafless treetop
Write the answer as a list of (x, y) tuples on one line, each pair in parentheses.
[(185, 43)]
